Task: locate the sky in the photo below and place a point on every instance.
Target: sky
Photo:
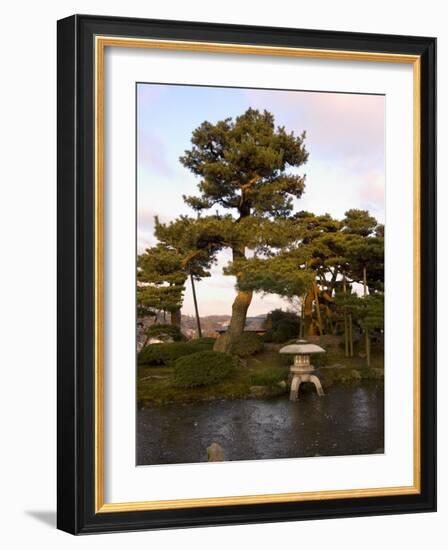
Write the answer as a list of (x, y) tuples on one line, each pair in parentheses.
[(345, 168)]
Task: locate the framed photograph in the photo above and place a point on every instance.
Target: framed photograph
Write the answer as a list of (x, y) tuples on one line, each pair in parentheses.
[(246, 274)]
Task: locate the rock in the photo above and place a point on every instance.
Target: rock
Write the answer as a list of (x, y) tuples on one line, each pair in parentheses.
[(356, 375), (282, 384), (153, 341), (215, 453)]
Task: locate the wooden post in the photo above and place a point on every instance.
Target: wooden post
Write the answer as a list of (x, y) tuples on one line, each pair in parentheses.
[(364, 279), (367, 339), (176, 317), (316, 297), (345, 318), (368, 348), (350, 333), (302, 320), (198, 319)]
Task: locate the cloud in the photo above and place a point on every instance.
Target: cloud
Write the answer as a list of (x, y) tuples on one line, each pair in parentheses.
[(337, 124), (146, 216), (344, 123), (148, 95), (345, 136), (144, 241), (145, 224), (372, 193), (334, 188), (152, 152)]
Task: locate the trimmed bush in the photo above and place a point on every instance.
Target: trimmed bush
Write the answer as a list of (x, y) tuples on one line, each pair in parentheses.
[(246, 345), (166, 354), (281, 326), (204, 368), (166, 332), (205, 340)]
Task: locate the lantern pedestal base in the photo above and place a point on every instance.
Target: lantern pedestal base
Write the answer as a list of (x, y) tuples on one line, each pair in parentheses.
[(298, 379)]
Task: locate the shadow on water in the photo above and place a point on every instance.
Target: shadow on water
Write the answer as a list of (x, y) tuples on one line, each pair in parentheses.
[(347, 421)]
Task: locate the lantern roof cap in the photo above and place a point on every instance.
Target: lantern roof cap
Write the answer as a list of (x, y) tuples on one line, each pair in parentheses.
[(302, 347)]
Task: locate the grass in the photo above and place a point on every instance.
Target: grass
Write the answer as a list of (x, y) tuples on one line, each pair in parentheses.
[(269, 377), (156, 385), (257, 376), (162, 390)]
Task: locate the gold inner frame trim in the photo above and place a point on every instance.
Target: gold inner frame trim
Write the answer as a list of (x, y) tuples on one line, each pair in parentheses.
[(101, 42)]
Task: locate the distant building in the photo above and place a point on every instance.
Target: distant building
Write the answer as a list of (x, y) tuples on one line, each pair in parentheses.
[(253, 324)]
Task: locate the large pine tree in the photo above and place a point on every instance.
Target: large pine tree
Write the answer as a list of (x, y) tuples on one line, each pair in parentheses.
[(243, 166)]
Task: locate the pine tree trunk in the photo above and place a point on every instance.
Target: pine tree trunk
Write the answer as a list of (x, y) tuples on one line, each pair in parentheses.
[(308, 313), (239, 313), (176, 317), (198, 319), (237, 321)]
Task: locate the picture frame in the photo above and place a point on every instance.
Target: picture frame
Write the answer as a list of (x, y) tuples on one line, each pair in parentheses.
[(82, 194)]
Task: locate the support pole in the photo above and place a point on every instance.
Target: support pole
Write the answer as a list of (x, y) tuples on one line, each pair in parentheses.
[(345, 318), (367, 339), (198, 320), (316, 298)]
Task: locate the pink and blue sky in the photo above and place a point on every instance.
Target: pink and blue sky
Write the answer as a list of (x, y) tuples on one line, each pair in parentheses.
[(345, 169)]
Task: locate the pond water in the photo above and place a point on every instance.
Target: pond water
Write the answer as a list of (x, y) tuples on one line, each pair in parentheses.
[(347, 420)]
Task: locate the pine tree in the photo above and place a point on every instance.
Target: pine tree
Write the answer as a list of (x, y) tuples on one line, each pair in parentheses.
[(196, 256), (243, 168), (161, 282)]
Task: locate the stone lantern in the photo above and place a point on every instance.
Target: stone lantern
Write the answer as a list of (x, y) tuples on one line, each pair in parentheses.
[(302, 368)]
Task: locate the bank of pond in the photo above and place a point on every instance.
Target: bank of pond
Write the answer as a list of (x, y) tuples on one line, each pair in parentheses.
[(191, 371)]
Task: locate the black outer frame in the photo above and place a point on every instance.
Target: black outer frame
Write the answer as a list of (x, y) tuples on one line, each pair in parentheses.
[(75, 403)]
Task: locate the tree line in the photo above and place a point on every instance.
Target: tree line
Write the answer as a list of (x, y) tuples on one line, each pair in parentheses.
[(247, 171)]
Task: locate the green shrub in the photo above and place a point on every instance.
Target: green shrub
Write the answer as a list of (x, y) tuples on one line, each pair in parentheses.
[(202, 369), (165, 332), (285, 359), (319, 359), (284, 332), (247, 344), (268, 377), (166, 354), (281, 326), (205, 340)]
